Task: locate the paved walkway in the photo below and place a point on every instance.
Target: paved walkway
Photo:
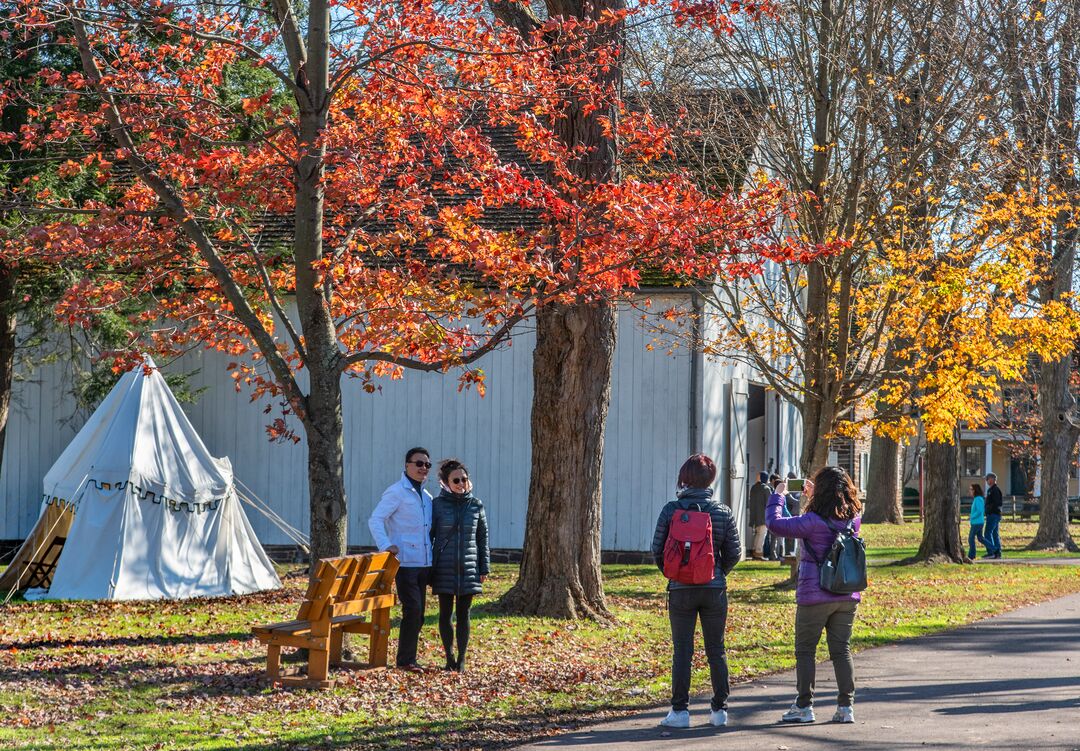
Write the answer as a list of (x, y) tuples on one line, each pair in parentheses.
[(1073, 561), (1009, 682)]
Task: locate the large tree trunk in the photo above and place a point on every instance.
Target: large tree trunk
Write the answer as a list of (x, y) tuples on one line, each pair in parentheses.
[(575, 346), (884, 502), (7, 348), (1056, 447), (941, 529), (560, 567), (323, 421), (325, 430)]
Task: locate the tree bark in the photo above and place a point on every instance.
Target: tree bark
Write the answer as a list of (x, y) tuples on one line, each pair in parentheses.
[(560, 566), (325, 431), (322, 415), (575, 347), (8, 325), (818, 417), (941, 529), (884, 503), (1056, 446), (1060, 426)]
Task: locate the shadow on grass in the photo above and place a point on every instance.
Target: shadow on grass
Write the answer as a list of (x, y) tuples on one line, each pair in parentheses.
[(143, 672), (129, 641), (765, 594), (626, 571)]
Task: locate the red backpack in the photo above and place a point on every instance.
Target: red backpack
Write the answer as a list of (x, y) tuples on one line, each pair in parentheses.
[(688, 552)]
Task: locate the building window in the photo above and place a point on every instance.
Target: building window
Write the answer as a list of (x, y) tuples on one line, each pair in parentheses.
[(973, 460)]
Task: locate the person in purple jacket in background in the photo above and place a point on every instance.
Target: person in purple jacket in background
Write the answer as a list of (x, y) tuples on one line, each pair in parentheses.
[(830, 503)]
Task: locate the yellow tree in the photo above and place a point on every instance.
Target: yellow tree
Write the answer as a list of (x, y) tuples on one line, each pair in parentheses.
[(967, 327)]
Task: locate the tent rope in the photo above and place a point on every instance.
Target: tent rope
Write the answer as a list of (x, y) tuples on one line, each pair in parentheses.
[(245, 494)]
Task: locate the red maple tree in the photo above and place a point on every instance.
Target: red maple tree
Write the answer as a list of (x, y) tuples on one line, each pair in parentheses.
[(396, 171)]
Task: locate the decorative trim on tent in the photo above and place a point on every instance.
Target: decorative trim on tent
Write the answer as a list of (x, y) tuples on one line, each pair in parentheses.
[(144, 495), (57, 501)]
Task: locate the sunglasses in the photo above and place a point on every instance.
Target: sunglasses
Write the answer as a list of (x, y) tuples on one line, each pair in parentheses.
[(425, 465), (460, 480)]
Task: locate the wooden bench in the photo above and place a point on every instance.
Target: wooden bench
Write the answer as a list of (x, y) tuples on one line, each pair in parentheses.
[(340, 594)]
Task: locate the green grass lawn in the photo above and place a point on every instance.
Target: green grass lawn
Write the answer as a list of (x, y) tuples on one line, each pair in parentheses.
[(178, 675)]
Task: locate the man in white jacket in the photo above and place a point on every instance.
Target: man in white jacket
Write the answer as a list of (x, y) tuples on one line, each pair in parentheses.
[(401, 523)]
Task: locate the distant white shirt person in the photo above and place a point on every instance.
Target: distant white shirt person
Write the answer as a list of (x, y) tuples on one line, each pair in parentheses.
[(401, 524)]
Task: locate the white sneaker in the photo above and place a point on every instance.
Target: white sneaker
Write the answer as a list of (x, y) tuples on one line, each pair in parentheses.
[(718, 718), (844, 714), (676, 719), (798, 714)]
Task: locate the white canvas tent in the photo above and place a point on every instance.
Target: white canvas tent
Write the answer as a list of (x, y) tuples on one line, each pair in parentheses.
[(151, 513)]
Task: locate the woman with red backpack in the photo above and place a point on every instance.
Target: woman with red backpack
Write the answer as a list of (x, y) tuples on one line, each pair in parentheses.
[(696, 545), (830, 507)]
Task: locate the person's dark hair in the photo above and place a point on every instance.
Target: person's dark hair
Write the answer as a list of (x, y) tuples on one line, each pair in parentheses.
[(774, 478), (698, 471), (835, 495), (976, 489), (991, 476), (416, 450), (446, 466)]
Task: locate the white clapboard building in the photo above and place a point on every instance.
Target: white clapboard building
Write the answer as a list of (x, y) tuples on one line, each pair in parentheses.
[(663, 408)]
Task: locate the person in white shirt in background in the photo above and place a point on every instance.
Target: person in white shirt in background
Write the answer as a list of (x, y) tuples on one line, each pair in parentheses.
[(401, 524)]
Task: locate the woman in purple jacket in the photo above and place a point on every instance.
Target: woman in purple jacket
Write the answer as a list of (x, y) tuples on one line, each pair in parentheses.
[(830, 503)]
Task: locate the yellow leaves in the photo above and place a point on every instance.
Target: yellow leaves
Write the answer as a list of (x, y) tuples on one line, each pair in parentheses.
[(966, 324)]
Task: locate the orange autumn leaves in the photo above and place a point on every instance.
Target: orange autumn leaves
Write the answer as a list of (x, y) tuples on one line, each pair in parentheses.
[(450, 207)]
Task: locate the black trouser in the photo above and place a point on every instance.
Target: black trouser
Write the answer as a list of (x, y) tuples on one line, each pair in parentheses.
[(684, 607), (411, 584), (446, 629)]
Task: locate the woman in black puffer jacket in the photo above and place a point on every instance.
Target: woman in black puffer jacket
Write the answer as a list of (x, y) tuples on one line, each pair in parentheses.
[(460, 556)]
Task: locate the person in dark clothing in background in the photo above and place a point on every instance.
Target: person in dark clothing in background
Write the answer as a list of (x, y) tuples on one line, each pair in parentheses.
[(994, 502), (759, 496), (461, 558), (709, 601)]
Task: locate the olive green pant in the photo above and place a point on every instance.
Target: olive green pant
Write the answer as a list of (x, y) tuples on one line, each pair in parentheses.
[(836, 618)]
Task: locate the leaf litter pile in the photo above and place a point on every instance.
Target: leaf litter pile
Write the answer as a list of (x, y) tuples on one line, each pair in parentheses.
[(188, 674)]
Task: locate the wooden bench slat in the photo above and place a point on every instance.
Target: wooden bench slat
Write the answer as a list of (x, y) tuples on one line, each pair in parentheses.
[(364, 605), (284, 625)]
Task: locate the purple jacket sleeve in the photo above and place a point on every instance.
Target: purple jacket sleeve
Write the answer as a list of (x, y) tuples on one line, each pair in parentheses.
[(793, 526)]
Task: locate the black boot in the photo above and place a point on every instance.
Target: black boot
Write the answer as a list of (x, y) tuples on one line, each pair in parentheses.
[(460, 664)]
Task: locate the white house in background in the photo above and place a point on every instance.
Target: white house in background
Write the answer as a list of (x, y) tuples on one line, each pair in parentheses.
[(663, 408)]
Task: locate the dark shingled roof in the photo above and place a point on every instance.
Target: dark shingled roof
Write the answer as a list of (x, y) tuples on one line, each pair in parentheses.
[(714, 136)]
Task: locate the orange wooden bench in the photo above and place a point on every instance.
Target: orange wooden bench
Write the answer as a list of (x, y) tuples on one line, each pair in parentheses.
[(339, 597)]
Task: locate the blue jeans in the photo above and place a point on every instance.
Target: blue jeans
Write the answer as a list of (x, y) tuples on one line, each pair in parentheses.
[(991, 536), (975, 533)]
